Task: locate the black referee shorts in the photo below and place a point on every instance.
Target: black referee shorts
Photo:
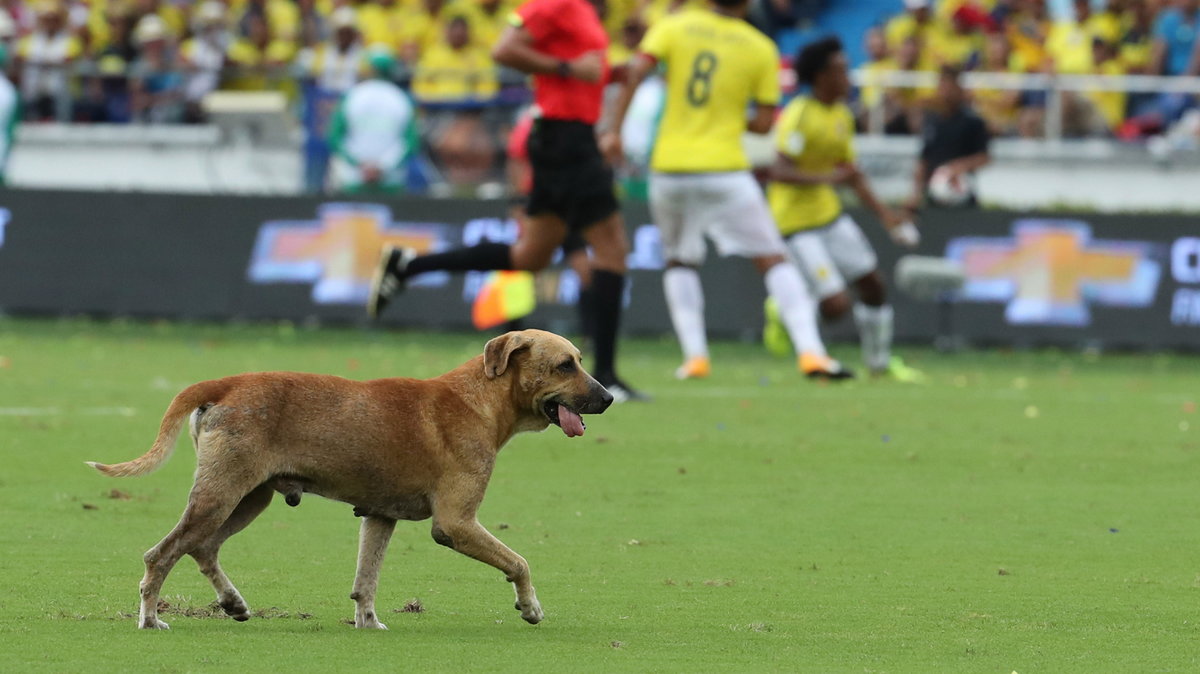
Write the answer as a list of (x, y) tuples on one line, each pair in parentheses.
[(570, 177)]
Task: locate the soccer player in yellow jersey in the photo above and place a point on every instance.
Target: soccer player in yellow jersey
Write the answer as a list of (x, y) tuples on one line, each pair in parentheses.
[(813, 140), (716, 67)]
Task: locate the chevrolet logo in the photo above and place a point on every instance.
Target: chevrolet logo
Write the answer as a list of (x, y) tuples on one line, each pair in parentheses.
[(338, 251), (1049, 271)]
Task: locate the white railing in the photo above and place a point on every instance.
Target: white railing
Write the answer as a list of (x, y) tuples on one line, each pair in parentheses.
[(1053, 85)]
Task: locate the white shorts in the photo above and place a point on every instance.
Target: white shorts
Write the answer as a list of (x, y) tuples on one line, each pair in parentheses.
[(831, 255), (728, 208)]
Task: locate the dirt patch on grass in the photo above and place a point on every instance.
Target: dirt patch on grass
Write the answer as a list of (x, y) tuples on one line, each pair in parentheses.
[(411, 606)]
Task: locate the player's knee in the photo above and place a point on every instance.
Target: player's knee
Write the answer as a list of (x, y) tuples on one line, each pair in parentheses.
[(764, 263), (871, 289), (835, 306), (531, 257)]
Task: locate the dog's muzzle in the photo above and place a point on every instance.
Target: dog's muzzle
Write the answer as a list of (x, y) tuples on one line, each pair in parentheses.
[(567, 415)]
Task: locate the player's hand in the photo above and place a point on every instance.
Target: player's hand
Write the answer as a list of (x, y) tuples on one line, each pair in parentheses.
[(611, 147), (903, 231), (588, 67), (372, 174)]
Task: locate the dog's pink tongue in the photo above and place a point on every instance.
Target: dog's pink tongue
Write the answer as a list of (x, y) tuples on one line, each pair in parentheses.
[(572, 424)]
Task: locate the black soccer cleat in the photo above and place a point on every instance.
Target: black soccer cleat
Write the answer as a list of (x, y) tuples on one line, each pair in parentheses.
[(390, 277)]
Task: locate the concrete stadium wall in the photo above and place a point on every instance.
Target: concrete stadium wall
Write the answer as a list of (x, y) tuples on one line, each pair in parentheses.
[(1094, 175), (1032, 279)]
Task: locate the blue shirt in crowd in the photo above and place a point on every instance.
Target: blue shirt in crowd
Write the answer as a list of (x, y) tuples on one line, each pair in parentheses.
[(1179, 34)]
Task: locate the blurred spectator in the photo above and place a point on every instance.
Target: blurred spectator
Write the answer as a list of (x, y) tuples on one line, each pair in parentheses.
[(492, 19), (458, 71), (337, 64), (1137, 40), (622, 49), (421, 27), (313, 26), (282, 19), (105, 95), (946, 9), (10, 115), (43, 57), (203, 57), (916, 21), (1175, 39), (954, 142), (961, 44), (380, 22), (155, 86), (997, 107), (878, 61), (1027, 29), (1109, 105), (1070, 41), (906, 104), (171, 14), (455, 70), (8, 35), (259, 60), (373, 131)]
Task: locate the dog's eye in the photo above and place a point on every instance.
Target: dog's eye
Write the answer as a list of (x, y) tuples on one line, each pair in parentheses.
[(567, 366)]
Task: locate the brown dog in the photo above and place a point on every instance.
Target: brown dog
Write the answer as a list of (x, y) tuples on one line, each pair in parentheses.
[(395, 449)]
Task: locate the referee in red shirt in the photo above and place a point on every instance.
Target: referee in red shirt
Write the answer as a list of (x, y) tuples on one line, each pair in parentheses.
[(562, 44)]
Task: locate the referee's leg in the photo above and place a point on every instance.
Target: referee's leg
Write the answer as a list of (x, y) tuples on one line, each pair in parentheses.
[(540, 236), (610, 247)]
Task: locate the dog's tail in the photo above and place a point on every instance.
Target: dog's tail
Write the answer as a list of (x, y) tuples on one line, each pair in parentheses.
[(188, 399)]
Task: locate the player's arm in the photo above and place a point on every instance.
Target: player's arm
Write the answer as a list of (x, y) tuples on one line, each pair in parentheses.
[(964, 165), (763, 119), (766, 93), (784, 170), (515, 49), (636, 71), (920, 180)]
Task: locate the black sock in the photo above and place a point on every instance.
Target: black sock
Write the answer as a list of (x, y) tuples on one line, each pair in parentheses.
[(587, 312), (480, 257), (608, 289)]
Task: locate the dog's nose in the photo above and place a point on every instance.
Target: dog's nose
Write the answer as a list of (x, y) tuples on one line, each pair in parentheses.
[(606, 399)]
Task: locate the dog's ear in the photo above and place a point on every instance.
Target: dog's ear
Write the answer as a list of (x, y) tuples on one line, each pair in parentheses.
[(499, 350)]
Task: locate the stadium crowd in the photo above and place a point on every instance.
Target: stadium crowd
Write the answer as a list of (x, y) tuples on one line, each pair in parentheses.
[(122, 61), (1119, 37)]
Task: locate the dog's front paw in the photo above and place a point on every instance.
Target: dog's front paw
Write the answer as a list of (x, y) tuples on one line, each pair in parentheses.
[(368, 621), (236, 608), (532, 613), (153, 624)]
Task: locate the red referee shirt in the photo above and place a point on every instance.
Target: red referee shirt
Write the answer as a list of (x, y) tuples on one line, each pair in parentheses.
[(565, 29)]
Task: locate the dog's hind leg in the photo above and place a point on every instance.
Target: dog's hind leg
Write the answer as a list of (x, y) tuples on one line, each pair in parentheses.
[(373, 540), (251, 506), (457, 528), (206, 511)]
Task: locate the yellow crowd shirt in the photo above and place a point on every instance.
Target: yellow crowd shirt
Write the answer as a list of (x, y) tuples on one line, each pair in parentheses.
[(715, 67), (816, 138)]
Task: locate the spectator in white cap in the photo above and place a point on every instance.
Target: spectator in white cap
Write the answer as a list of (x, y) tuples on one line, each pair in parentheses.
[(203, 56), (338, 63), (154, 82), (43, 57)]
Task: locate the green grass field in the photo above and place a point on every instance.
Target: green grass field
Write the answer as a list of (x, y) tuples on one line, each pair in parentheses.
[(1028, 512)]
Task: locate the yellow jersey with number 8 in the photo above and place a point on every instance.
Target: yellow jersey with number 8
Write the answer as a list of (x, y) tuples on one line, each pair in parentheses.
[(816, 138), (716, 66)]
